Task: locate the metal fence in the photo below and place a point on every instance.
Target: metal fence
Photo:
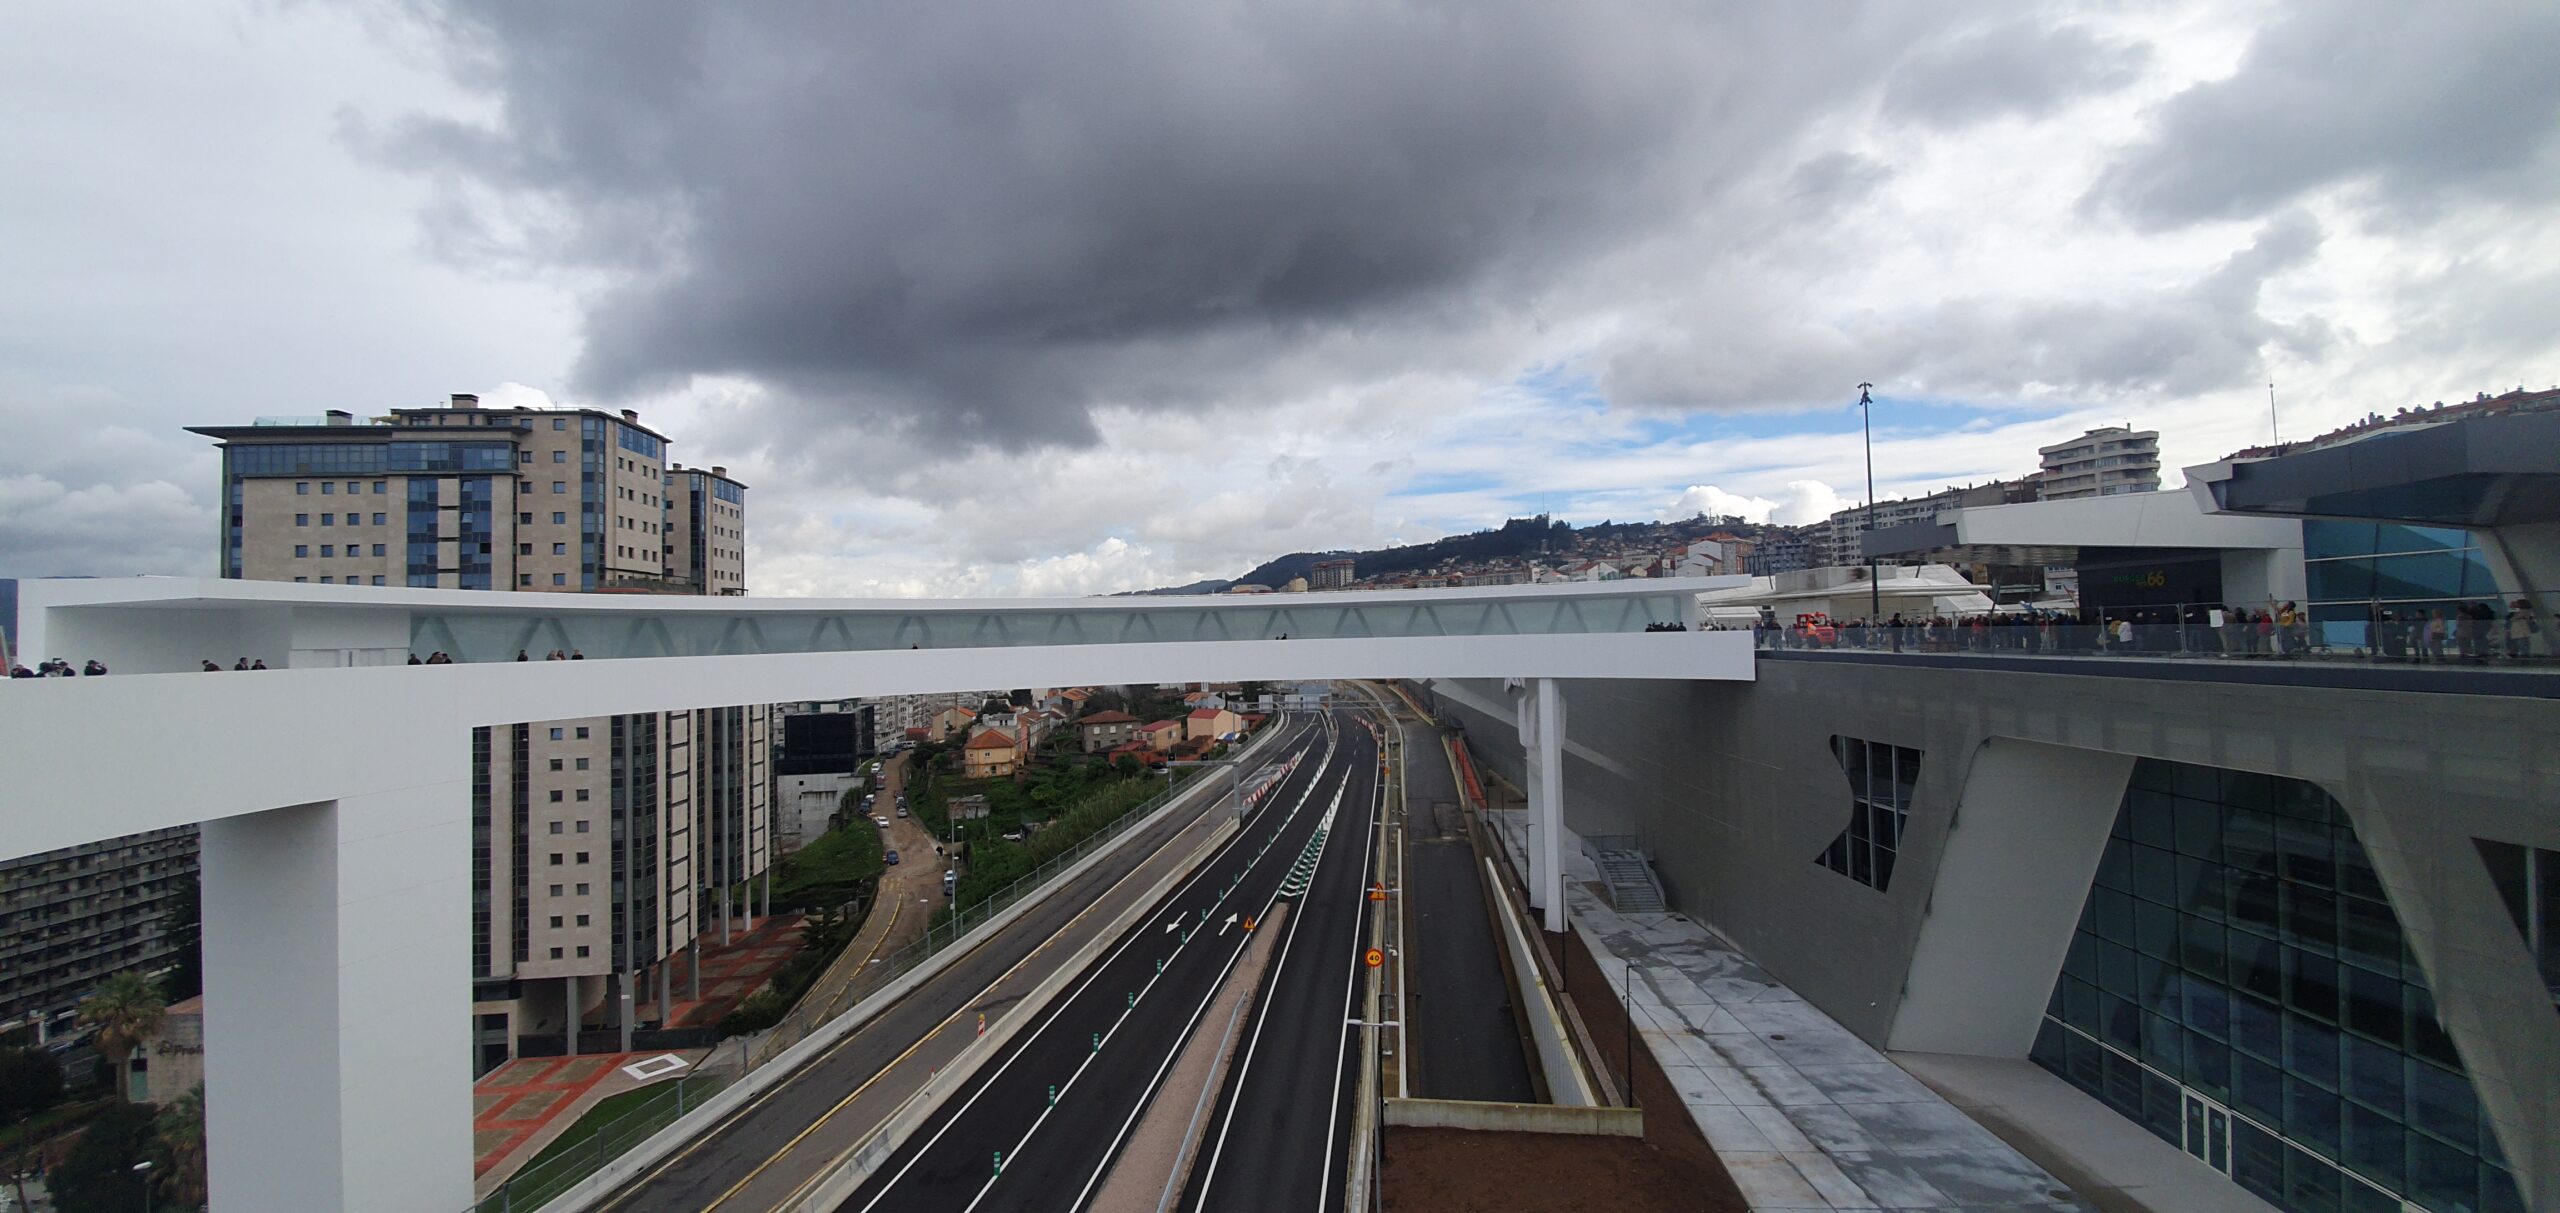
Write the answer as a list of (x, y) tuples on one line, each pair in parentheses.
[(547, 1177)]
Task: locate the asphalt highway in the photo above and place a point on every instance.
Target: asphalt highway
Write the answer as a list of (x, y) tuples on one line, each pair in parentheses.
[(1040, 1125), (1281, 1124), (751, 1145)]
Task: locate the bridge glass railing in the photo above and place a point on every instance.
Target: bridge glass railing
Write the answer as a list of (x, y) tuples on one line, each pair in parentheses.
[(500, 634), (2513, 638)]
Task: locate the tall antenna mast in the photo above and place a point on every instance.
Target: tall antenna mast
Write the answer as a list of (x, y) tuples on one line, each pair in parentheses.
[(2271, 414)]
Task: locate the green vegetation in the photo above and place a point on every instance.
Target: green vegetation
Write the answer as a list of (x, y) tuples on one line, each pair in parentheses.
[(607, 1110), (98, 1175), (825, 933), (30, 1082), (996, 864), (842, 868), (126, 1010)]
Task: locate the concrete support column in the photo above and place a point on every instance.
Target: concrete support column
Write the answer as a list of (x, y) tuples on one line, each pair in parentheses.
[(570, 1011), (1548, 775), (338, 1010), (693, 967), (629, 1003)]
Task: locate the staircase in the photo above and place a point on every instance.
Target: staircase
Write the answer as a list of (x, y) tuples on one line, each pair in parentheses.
[(1632, 886)]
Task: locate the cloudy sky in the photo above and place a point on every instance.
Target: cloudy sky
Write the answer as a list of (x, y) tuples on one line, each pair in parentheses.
[(1011, 298)]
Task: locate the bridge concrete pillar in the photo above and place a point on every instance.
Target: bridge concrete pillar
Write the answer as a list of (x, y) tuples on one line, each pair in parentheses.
[(338, 1004), (1548, 776)]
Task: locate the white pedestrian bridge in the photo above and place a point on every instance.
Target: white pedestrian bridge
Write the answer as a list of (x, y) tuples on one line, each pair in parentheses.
[(334, 788)]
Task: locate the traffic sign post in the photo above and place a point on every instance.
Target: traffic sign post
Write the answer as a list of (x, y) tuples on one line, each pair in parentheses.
[(1373, 958)]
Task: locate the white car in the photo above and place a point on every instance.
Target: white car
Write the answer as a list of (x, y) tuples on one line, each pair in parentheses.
[(881, 822)]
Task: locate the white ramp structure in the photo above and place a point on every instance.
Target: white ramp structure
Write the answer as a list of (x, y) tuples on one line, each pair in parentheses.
[(334, 789)]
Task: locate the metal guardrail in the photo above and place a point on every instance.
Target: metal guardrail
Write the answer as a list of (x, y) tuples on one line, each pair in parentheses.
[(2395, 642), (546, 1178)]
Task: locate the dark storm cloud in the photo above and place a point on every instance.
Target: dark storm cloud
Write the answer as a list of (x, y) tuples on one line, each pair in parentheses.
[(2421, 103), (2020, 69), (985, 219)]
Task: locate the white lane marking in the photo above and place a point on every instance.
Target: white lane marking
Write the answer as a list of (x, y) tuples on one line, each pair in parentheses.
[(1057, 1009), (1350, 991), (1209, 1177)]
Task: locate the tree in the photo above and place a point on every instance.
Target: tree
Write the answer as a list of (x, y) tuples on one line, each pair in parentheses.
[(30, 1082), (178, 1151), (98, 1175), (126, 1010)]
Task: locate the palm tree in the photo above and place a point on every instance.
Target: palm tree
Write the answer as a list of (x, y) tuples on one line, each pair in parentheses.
[(126, 1010), (180, 1146)]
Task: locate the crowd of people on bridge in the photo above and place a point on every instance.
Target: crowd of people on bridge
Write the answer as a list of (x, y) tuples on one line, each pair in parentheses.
[(2473, 633), (58, 668)]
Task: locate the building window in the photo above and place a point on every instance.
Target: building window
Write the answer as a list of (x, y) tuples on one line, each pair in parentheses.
[(328, 487), (582, 732), (584, 919), (1881, 780), (302, 488), (524, 519), (582, 951), (555, 890), (302, 520), (2354, 572), (582, 825), (555, 827), (328, 520), (559, 579), (582, 793), (555, 953), (555, 734), (555, 764), (555, 922), (379, 549), (328, 549), (302, 579), (582, 857), (559, 517), (555, 795), (559, 486), (582, 890), (555, 859), (559, 423), (380, 487), (559, 456), (301, 550), (377, 579), (2528, 880), (582, 764), (2238, 986), (328, 581), (559, 549), (380, 519)]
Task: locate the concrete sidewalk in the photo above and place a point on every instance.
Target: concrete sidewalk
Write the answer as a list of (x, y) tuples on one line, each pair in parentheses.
[(1804, 1114)]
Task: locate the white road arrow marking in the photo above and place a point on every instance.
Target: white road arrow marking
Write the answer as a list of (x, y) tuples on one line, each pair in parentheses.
[(1175, 925), (1231, 921)]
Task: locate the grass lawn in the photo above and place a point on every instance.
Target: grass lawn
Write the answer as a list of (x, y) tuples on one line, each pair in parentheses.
[(607, 1110)]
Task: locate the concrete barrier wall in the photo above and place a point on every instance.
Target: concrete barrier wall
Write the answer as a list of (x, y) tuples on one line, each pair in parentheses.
[(1564, 1078), (1515, 1117)]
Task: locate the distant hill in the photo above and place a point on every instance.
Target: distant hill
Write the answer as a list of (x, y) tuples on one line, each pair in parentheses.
[(1518, 537)]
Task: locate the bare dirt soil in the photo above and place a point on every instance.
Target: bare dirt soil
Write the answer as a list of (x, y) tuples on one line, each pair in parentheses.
[(1459, 1171)]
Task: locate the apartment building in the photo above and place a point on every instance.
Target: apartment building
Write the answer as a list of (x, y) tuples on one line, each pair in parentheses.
[(1331, 574), (604, 847), (2101, 463), (72, 918)]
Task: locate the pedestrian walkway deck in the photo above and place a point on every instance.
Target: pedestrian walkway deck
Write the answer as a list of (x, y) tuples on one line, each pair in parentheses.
[(1804, 1115)]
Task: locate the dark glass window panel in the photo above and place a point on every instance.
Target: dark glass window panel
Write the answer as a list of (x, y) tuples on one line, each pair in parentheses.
[(2311, 1051), (2208, 1067), (2441, 1177), (2441, 1102), (2426, 1036), (2123, 1087), (2115, 868), (2199, 828), (2164, 1044), (2048, 1050), (2118, 972), (2200, 887), (2368, 934), (2355, 872), (2257, 1160), (2375, 1143), (2310, 918), (2249, 791), (2249, 843), (1884, 868), (2372, 1006), (2257, 966), (2082, 960), (2257, 1088), (2254, 903), (2426, 576), (2156, 829), (2306, 849), (2155, 875), (2156, 930), (2372, 1074), (2200, 952), (1861, 862), (2195, 782), (2257, 1028), (2312, 985), (2087, 1061), (2498, 1191), (2310, 1183), (2365, 1198), (2119, 1022), (2161, 1100), (2208, 1008), (2153, 775), (2341, 579), (2311, 1116)]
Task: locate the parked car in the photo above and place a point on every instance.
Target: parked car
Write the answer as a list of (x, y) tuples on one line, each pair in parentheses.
[(902, 810), (881, 822), (950, 880), (1013, 835), (891, 858)]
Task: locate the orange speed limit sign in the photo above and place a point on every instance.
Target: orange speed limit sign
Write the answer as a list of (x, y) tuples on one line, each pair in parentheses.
[(1375, 958)]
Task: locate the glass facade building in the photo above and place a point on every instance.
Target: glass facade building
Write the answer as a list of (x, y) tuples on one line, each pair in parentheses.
[(2238, 985), (1881, 780), (2353, 570)]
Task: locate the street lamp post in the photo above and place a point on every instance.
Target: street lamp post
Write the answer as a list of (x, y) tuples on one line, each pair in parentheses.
[(1875, 593), (143, 1169)]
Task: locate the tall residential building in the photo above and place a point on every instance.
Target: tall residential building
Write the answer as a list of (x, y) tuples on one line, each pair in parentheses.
[(603, 847), (1330, 575), (2101, 463)]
